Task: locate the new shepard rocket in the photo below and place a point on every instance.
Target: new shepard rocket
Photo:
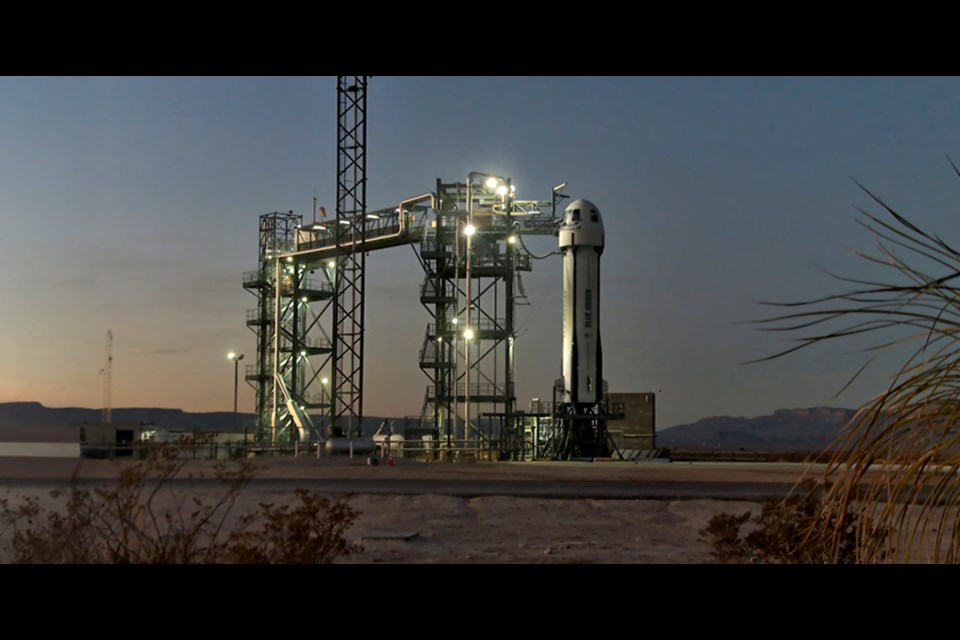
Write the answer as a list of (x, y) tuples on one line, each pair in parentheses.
[(581, 243)]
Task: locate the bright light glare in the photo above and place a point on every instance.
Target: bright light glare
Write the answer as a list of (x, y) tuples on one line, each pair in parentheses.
[(512, 239), (331, 264), (468, 334), (502, 190), (231, 355), (324, 380), (469, 229), (491, 183)]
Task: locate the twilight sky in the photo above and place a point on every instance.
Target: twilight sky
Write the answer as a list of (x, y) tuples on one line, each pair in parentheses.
[(131, 204)]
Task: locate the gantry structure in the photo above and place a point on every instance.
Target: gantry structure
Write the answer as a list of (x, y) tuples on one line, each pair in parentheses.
[(468, 237), (310, 290)]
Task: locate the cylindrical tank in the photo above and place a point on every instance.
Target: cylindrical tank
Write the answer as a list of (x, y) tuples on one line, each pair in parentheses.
[(392, 443), (581, 241), (357, 446)]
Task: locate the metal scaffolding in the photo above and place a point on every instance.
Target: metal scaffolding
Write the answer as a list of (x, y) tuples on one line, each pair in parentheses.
[(273, 322), (472, 254), (310, 288), (302, 293)]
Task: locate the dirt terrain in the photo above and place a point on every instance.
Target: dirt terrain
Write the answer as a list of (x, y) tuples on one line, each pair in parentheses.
[(436, 528), (503, 529)]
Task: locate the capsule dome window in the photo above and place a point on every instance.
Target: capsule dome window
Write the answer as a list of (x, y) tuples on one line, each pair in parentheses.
[(576, 215)]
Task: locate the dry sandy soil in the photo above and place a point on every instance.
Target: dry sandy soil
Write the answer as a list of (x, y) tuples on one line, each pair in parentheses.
[(445, 529), (501, 529)]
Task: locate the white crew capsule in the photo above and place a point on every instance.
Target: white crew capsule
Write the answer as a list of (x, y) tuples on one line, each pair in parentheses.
[(581, 243)]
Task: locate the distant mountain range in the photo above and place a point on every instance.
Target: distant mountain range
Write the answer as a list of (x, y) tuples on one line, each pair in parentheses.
[(785, 430), (26, 414), (23, 414)]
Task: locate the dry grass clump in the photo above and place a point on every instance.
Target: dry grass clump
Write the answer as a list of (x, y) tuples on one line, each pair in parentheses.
[(907, 436)]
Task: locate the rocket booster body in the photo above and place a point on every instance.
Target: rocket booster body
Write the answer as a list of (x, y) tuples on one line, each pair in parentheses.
[(581, 243)]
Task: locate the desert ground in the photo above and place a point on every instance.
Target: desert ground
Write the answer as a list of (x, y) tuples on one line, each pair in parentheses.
[(439, 527), (432, 529)]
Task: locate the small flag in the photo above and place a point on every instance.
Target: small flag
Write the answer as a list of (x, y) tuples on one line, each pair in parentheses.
[(323, 213)]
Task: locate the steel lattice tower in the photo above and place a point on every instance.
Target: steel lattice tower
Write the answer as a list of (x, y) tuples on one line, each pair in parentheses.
[(347, 377), (106, 414)]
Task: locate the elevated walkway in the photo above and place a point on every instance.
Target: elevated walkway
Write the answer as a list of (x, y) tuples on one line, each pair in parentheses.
[(381, 230)]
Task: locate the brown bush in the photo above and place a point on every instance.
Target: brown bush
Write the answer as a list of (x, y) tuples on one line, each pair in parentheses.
[(133, 521), (311, 533), (799, 529)]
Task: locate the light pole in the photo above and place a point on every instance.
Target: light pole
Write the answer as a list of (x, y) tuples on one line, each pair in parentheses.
[(467, 336), (236, 377), (327, 411)]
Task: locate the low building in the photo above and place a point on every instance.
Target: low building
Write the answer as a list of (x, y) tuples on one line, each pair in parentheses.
[(40, 441), (110, 440), (637, 429)]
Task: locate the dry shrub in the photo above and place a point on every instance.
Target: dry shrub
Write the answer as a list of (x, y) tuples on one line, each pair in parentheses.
[(145, 518), (799, 529), (311, 533)]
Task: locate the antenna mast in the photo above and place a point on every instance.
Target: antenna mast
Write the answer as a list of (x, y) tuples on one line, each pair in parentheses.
[(107, 370)]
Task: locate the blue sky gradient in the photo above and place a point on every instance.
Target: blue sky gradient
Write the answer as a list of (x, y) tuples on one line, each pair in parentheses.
[(131, 204)]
